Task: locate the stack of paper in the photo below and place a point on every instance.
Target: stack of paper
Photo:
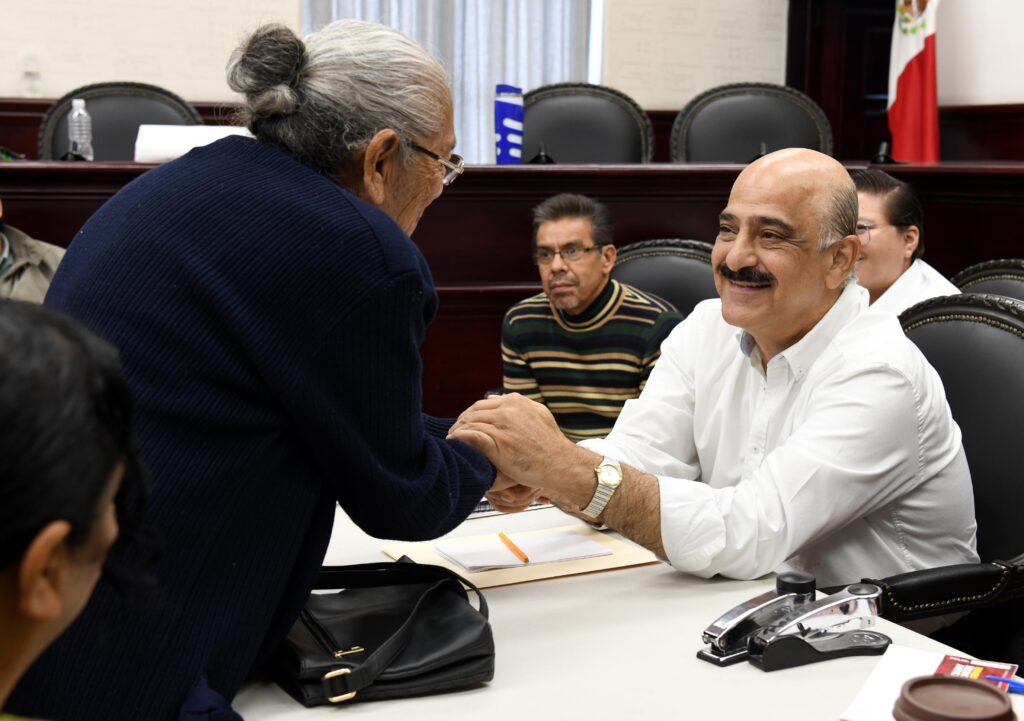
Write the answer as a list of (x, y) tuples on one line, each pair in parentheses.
[(553, 552), (483, 553)]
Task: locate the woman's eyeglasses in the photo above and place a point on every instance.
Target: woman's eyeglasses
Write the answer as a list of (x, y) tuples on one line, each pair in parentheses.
[(454, 165)]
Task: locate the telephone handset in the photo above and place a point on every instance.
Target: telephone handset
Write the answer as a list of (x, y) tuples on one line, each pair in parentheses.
[(787, 627)]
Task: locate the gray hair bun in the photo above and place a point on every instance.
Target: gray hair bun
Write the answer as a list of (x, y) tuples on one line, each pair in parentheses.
[(267, 68)]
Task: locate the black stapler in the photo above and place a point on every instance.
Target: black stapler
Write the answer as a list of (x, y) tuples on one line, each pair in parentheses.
[(787, 627)]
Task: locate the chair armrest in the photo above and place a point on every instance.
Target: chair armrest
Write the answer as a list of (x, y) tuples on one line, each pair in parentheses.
[(936, 591)]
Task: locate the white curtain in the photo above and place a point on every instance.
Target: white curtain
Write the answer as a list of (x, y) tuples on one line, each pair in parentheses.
[(526, 43)]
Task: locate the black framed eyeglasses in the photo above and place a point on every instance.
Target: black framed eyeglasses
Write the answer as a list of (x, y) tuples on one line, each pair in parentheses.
[(454, 165), (570, 253)]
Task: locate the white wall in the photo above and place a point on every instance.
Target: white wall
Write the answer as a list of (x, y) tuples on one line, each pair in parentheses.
[(661, 52), (664, 52), (53, 46), (980, 52)]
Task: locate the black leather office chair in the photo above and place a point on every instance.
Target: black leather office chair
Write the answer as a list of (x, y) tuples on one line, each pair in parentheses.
[(117, 110), (584, 123), (997, 277), (678, 271), (976, 344), (740, 122)]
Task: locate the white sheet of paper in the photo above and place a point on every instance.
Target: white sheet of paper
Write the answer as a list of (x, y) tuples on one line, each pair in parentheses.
[(160, 143), (479, 554), (898, 665)]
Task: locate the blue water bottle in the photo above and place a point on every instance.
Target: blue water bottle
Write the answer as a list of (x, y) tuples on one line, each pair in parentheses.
[(508, 124)]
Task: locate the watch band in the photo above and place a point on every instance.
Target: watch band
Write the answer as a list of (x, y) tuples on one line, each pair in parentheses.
[(607, 484)]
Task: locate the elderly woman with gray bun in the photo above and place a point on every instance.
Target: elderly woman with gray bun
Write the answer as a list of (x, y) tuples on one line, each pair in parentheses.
[(269, 306)]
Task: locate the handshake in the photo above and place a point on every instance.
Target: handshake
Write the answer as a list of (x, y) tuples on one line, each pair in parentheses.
[(535, 461), (520, 437)]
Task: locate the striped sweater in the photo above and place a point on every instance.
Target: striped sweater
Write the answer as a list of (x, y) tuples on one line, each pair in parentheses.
[(585, 367)]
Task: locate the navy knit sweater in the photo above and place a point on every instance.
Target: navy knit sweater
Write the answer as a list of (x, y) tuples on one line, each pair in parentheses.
[(269, 323)]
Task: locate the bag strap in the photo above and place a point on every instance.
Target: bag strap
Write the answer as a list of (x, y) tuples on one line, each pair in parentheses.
[(342, 684), (393, 573)]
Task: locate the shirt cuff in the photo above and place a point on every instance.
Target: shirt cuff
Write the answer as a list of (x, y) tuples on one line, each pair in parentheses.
[(692, 529)]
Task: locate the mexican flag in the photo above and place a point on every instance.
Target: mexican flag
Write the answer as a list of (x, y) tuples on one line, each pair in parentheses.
[(913, 98)]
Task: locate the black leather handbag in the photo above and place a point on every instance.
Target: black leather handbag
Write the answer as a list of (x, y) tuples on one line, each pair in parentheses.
[(397, 629)]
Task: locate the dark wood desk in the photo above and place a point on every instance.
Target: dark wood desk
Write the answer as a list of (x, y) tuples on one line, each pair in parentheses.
[(476, 236)]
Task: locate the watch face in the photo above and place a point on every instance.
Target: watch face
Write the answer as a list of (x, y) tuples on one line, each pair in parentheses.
[(609, 476)]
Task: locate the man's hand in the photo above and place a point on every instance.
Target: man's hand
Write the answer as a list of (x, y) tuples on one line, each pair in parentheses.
[(534, 459), (508, 496), (519, 436)]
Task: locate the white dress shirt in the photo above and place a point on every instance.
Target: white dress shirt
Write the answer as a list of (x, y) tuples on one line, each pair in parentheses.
[(842, 460), (919, 282)]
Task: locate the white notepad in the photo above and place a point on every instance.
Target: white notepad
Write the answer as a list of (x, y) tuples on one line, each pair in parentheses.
[(483, 553)]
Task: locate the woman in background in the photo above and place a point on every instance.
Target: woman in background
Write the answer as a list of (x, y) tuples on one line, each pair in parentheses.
[(890, 226)]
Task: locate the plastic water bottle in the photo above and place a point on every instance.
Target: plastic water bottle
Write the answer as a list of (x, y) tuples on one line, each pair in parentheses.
[(79, 131)]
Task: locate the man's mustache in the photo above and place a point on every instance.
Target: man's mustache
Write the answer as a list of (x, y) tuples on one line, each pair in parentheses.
[(745, 275)]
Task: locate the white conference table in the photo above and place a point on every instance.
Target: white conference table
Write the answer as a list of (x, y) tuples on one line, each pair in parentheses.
[(617, 644)]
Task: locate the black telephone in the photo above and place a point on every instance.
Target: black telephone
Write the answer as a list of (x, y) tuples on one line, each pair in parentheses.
[(787, 627)]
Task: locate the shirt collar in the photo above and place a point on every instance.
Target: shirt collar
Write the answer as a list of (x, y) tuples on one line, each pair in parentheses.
[(802, 354), (597, 311)]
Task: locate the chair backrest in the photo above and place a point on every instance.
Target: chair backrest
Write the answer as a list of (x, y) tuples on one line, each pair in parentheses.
[(995, 277), (678, 271), (740, 122), (117, 110), (584, 123), (976, 344)]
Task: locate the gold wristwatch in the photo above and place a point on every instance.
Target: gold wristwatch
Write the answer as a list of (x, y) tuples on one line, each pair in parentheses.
[(609, 476)]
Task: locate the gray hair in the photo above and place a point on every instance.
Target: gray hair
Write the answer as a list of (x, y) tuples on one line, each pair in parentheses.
[(323, 97), (839, 219)]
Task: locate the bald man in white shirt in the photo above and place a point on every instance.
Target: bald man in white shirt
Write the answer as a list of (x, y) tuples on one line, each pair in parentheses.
[(783, 428)]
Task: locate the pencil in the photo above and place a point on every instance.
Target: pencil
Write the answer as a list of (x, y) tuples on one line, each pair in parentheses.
[(514, 548)]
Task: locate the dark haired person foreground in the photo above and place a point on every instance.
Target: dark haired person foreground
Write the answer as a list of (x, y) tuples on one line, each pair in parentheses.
[(70, 479), (890, 227), (587, 344), (269, 305)]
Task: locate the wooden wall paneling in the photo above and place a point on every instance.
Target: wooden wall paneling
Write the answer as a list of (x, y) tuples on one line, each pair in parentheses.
[(461, 354), (838, 53), (476, 236), (971, 211), (982, 132), (19, 124), (51, 200)]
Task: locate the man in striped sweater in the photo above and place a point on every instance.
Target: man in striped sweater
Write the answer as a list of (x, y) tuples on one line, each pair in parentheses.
[(586, 344)]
